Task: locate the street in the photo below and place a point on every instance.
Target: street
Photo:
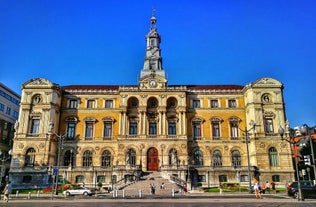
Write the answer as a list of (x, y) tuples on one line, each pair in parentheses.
[(225, 202)]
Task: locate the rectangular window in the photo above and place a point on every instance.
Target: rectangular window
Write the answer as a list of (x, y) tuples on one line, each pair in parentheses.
[(152, 128), (89, 130), (232, 103), (215, 130), (196, 129), (234, 130), (90, 104), (71, 130), (196, 104), (8, 111), (269, 126), (15, 114), (214, 103), (222, 178), (108, 104), (133, 128), (107, 129), (35, 126), (1, 107), (73, 104), (172, 128), (243, 178)]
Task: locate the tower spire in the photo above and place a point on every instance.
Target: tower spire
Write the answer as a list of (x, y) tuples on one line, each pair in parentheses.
[(153, 59)]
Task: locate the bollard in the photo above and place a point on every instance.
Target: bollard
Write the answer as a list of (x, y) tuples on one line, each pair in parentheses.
[(180, 191), (113, 193), (38, 193), (123, 193), (29, 196), (17, 193), (172, 192), (116, 192), (140, 193)]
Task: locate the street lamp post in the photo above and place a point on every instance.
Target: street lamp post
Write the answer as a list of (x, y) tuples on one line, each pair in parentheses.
[(3, 160), (292, 142), (60, 144), (246, 131)]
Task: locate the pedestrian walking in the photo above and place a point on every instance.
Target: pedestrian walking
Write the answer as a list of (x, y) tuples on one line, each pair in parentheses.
[(7, 191), (220, 188), (257, 188), (272, 184), (162, 187)]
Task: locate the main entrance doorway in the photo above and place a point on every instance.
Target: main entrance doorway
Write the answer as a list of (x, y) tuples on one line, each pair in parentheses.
[(152, 159)]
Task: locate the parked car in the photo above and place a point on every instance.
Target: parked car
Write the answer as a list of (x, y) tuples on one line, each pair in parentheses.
[(79, 191), (308, 189)]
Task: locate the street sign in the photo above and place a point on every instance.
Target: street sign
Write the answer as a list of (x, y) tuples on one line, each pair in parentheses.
[(55, 171)]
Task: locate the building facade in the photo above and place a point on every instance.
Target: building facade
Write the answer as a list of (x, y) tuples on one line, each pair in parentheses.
[(9, 113), (110, 134)]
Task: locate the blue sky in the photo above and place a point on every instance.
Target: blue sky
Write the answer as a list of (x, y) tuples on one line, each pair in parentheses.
[(203, 42)]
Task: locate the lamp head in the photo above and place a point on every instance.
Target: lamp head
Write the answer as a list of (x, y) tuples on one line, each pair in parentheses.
[(281, 132)]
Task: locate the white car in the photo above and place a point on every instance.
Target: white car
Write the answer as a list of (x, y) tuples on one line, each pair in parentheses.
[(79, 191)]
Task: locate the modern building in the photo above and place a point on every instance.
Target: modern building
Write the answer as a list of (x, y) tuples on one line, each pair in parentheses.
[(110, 134), (9, 113)]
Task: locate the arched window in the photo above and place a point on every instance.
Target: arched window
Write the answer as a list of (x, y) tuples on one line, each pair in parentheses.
[(236, 158), (198, 158), (273, 157), (69, 158), (30, 157), (173, 156), (106, 158), (87, 159), (217, 158), (131, 157)]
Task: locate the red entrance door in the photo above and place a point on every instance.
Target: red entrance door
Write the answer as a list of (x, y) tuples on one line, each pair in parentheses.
[(152, 159)]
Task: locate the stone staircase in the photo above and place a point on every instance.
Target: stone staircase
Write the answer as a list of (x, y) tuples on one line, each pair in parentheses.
[(156, 178)]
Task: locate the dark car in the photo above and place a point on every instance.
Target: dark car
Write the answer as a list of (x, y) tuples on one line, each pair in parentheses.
[(308, 189)]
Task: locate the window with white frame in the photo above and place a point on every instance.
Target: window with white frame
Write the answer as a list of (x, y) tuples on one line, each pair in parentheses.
[(34, 129), (233, 129), (232, 103), (107, 129), (108, 104), (89, 130), (273, 157), (196, 103), (87, 159), (71, 130), (91, 104), (133, 128), (214, 103), (268, 123), (73, 104)]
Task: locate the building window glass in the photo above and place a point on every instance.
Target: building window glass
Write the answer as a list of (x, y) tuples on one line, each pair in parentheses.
[(197, 130), (108, 104), (16, 114), (216, 130), (232, 103), (196, 104), (35, 126), (198, 158), (273, 156), (101, 178), (236, 158), (89, 130), (68, 158), (217, 158), (79, 179), (8, 111), (276, 178), (30, 157), (234, 130), (152, 128), (91, 104), (71, 130), (222, 178), (87, 159), (268, 126), (106, 158), (214, 103), (107, 129), (131, 157), (172, 128), (133, 128), (73, 103), (1, 107)]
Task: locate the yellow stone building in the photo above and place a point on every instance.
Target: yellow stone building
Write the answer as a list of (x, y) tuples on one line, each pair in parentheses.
[(111, 134)]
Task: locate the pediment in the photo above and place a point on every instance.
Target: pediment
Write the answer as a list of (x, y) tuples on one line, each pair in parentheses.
[(266, 82), (38, 83), (152, 82)]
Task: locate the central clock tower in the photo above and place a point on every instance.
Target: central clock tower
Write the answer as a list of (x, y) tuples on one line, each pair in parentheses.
[(152, 75)]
